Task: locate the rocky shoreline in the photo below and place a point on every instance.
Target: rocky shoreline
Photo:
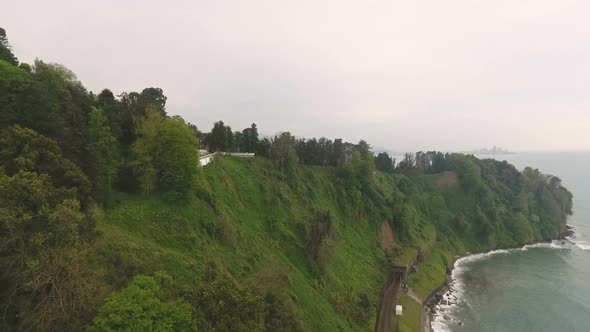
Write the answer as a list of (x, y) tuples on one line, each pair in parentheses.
[(570, 231), (437, 295)]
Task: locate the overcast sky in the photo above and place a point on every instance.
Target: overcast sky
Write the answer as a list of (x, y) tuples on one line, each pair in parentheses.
[(404, 75)]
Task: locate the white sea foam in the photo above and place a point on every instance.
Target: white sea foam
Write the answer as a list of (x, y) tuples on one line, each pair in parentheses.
[(443, 318), (476, 257), (583, 245), (439, 324), (550, 245)]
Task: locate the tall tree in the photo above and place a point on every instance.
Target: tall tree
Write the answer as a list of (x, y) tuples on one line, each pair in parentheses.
[(19, 97), (364, 149), (216, 140), (238, 142), (5, 49), (338, 154), (221, 137), (154, 97), (439, 163), (134, 106), (112, 110), (224, 306), (384, 162), (249, 139), (177, 158), (263, 148), (50, 101), (283, 153), (143, 151), (408, 163), (105, 159), (68, 105), (131, 113), (229, 139)]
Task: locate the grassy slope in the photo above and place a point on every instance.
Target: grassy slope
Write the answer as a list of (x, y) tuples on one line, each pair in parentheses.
[(150, 234), (245, 220), (412, 310)]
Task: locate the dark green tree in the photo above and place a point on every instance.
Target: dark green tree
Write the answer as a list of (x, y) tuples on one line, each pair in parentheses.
[(112, 110), (133, 106), (154, 97), (223, 306), (41, 228), (50, 101), (5, 49), (384, 163), (19, 96), (22, 149), (66, 105), (218, 137), (39, 253), (279, 314), (338, 155), (407, 164), (263, 148), (238, 142), (105, 156), (283, 153), (249, 139), (144, 150), (365, 150)]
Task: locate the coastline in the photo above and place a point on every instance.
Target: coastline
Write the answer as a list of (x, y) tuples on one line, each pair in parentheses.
[(436, 296)]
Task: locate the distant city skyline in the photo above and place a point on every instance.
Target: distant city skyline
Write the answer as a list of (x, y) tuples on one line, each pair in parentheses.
[(448, 76)]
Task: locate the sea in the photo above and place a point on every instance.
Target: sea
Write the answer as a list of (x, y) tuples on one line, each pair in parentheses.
[(540, 287)]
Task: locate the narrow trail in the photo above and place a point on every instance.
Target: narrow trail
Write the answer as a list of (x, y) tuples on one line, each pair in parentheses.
[(425, 316), (387, 303), (414, 296)]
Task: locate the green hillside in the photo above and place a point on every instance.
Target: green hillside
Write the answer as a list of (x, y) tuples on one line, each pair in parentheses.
[(249, 221), (109, 223), (251, 226)]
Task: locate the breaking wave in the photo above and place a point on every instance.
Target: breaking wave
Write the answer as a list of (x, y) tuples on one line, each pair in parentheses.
[(582, 245), (444, 317)]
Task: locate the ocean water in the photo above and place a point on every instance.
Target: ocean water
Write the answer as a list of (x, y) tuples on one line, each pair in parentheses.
[(543, 287)]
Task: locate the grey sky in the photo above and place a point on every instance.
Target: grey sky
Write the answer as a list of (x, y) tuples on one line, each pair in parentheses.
[(406, 75)]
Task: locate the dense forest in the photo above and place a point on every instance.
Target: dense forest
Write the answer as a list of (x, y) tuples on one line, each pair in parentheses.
[(108, 223)]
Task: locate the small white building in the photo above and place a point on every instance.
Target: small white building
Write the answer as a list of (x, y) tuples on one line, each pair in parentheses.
[(398, 310)]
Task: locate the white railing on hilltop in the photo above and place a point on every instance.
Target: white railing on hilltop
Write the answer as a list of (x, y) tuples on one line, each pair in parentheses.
[(205, 159), (237, 154)]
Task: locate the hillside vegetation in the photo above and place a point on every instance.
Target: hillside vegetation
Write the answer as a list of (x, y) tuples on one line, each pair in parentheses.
[(253, 226), (108, 223)]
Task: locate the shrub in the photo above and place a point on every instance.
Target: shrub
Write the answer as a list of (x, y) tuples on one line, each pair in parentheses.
[(139, 308), (223, 306)]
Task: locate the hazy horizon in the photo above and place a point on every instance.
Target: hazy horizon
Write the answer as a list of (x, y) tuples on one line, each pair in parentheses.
[(449, 76)]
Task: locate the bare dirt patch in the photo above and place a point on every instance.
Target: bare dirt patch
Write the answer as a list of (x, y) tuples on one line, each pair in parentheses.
[(447, 180), (387, 238)]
